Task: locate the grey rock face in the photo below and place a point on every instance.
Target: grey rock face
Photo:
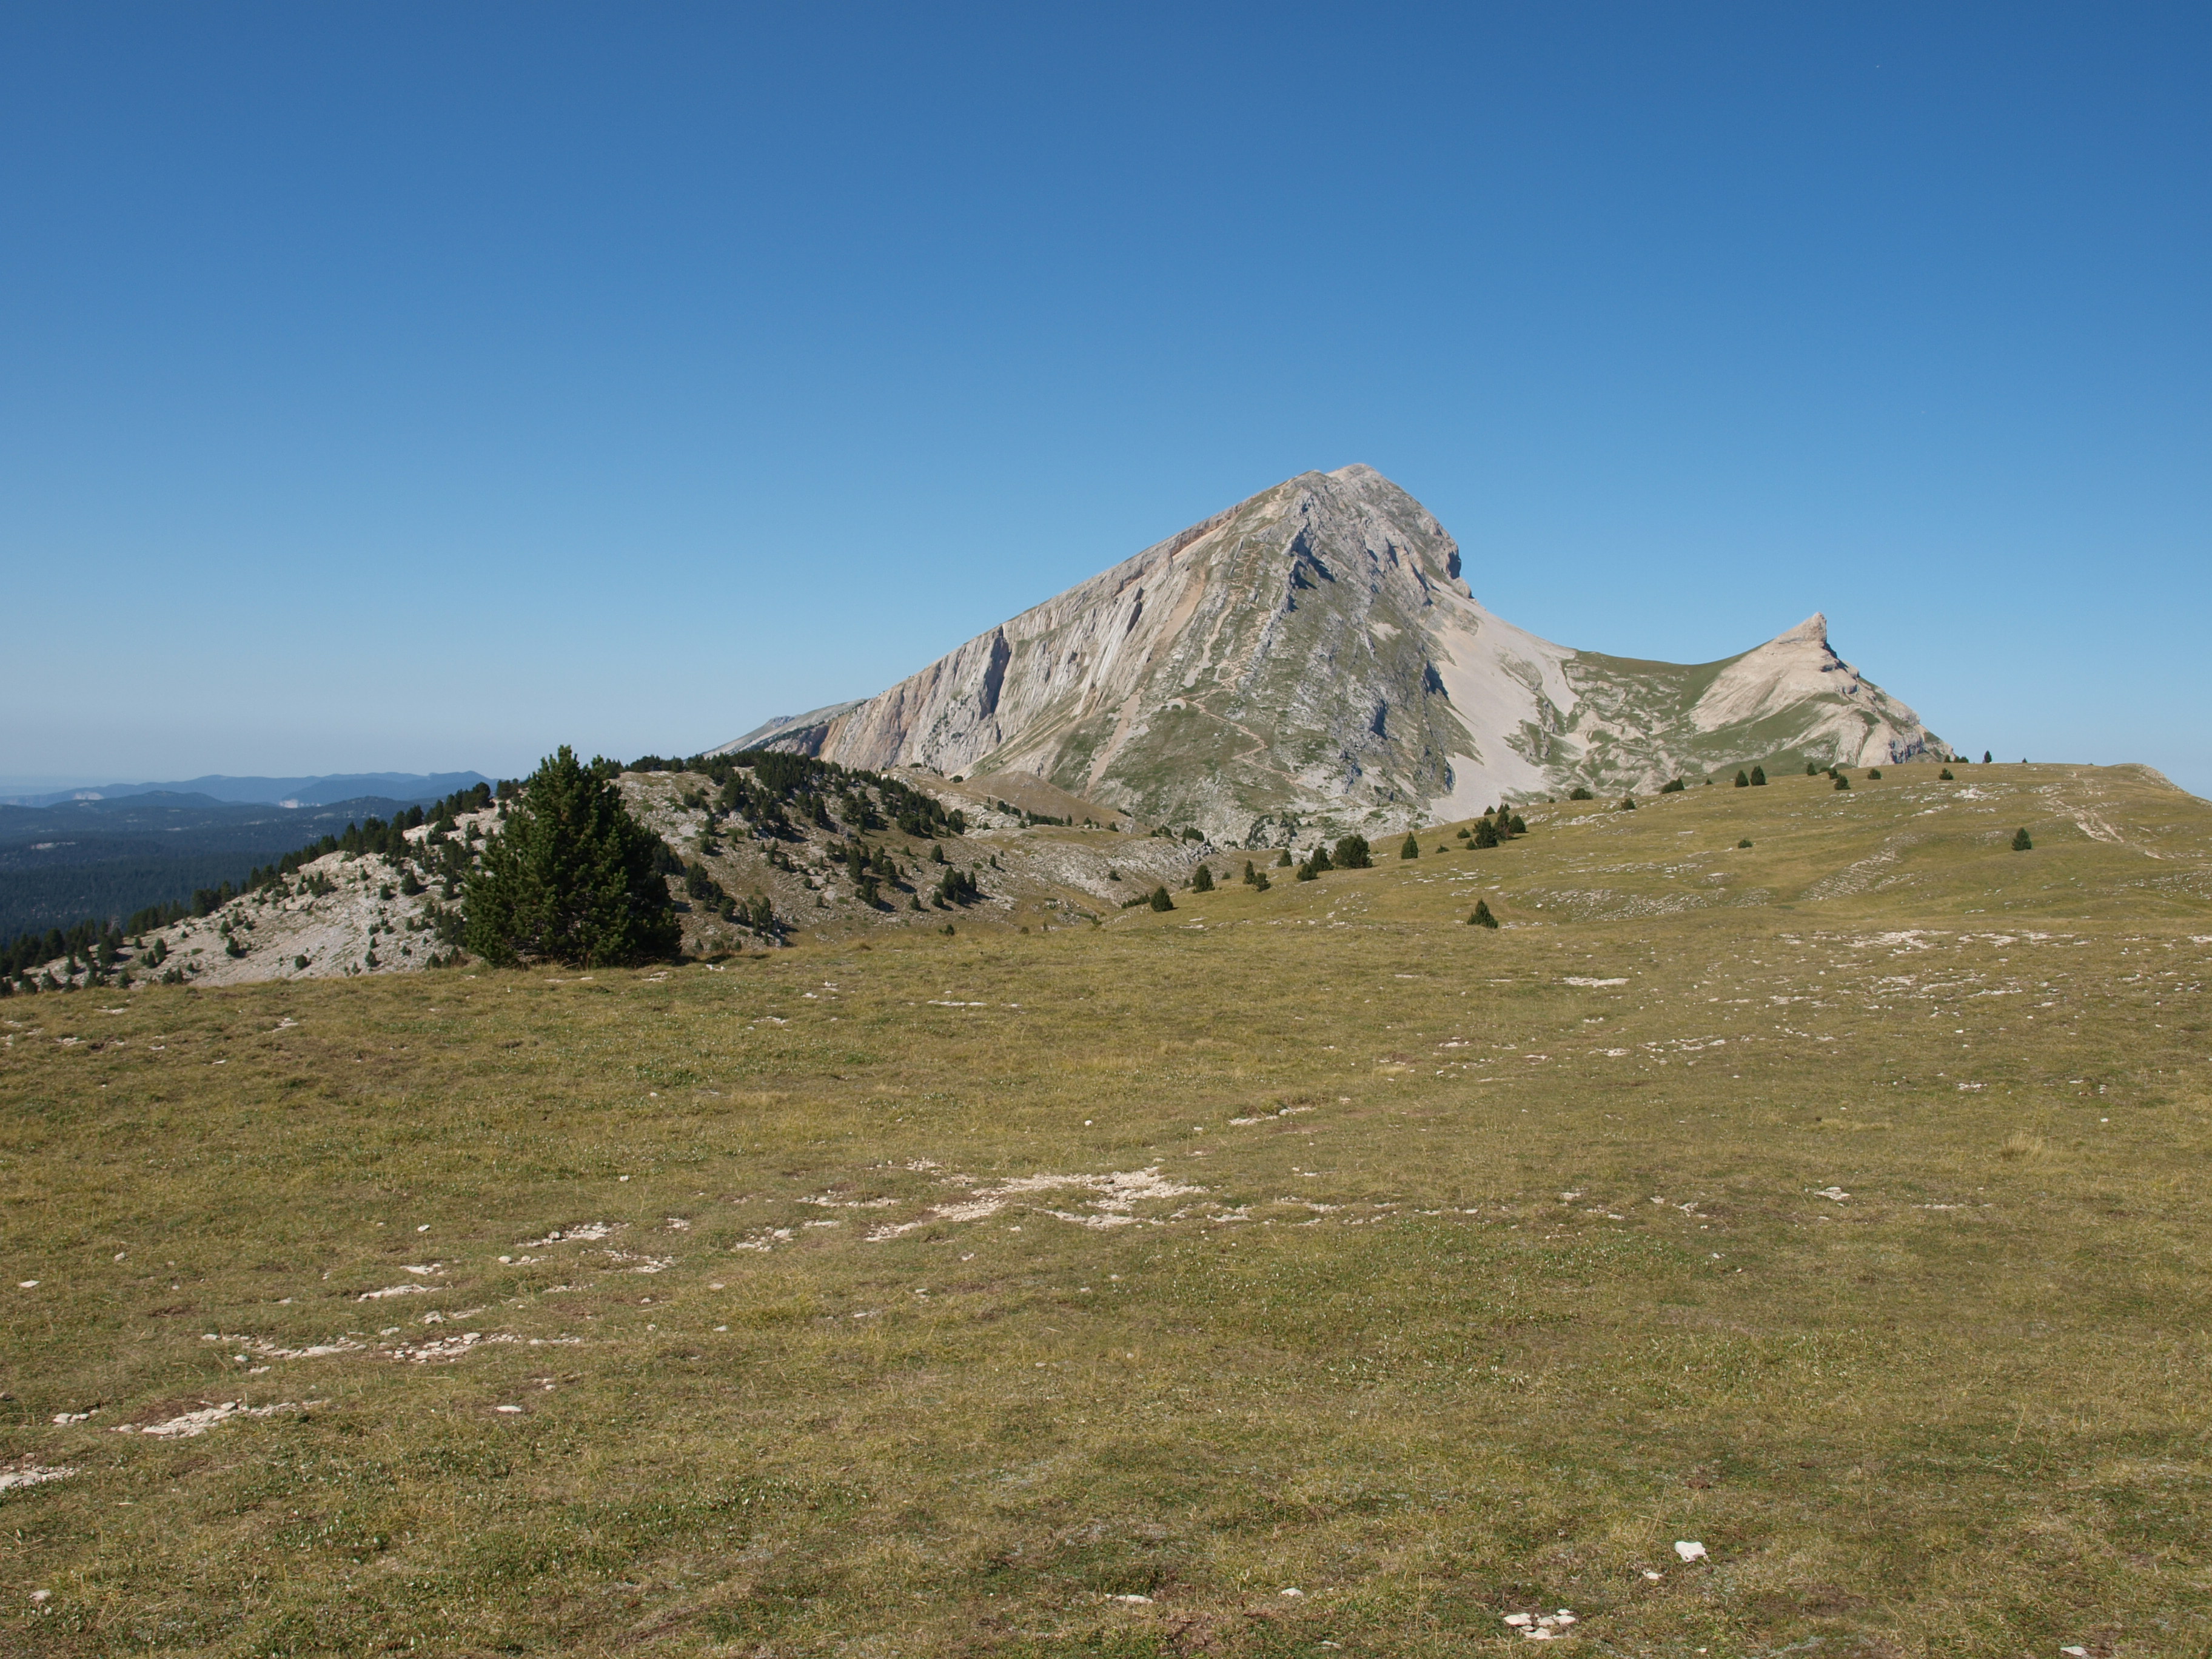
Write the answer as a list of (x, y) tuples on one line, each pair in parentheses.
[(1311, 659)]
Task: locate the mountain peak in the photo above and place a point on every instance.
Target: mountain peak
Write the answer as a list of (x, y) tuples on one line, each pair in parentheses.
[(1309, 659)]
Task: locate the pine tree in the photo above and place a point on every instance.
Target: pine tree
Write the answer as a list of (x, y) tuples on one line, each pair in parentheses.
[(1985, 757), (1486, 833), (1580, 793), (1482, 918), (1811, 771), (1628, 803), (1741, 781), (1411, 849), (1202, 882), (1757, 777), (571, 878), (1352, 853), (1283, 859), (2021, 843), (1160, 900), (1946, 775), (1317, 860)]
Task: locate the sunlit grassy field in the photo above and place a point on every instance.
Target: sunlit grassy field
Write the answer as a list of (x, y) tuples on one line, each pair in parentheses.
[(1292, 1273)]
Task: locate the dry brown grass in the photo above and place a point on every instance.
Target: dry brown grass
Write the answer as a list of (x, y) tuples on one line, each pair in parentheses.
[(1502, 1285)]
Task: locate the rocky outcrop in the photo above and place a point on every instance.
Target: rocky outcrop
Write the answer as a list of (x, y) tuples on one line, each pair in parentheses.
[(1313, 656)]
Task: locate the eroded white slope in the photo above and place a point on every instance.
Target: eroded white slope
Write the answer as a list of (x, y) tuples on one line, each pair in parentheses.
[(1312, 653)]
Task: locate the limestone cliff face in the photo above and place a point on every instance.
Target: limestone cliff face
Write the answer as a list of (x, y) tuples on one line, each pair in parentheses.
[(1312, 657)]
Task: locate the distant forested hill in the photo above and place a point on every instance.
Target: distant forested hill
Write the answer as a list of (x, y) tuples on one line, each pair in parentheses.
[(62, 864)]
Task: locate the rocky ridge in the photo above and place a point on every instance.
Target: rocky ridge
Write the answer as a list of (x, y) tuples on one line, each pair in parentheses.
[(1313, 657)]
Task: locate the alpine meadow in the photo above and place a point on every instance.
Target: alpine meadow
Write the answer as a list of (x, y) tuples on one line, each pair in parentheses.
[(1255, 1109)]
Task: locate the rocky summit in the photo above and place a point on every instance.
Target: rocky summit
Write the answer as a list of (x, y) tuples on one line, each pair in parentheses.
[(1314, 657)]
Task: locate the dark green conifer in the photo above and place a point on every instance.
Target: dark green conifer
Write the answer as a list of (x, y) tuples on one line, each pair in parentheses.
[(1411, 849), (1742, 781), (1482, 918), (1757, 777), (571, 878), (1160, 900), (2021, 843), (1201, 880)]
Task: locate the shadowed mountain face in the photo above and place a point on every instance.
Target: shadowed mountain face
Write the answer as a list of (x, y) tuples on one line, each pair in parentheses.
[(1312, 657)]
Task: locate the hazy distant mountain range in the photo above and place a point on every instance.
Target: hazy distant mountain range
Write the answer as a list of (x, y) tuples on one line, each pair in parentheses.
[(1314, 655), (277, 792)]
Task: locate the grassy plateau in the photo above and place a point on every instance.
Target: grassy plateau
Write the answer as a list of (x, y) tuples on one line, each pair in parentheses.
[(1292, 1273)]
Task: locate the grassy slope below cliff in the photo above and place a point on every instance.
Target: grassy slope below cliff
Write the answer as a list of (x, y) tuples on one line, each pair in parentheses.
[(1830, 1203)]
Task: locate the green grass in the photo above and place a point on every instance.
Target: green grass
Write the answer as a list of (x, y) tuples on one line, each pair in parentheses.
[(1505, 1285)]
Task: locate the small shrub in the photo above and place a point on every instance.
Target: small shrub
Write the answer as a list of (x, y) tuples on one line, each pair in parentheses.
[(1743, 843), (2021, 842), (1580, 793), (1628, 803), (1842, 782), (1946, 775), (1673, 786), (1482, 918), (1873, 772), (299, 962), (1160, 900)]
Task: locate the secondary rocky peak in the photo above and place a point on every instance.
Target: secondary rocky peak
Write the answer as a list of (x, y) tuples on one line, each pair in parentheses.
[(1311, 657)]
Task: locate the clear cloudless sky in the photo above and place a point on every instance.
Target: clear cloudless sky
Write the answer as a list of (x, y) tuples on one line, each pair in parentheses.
[(416, 387)]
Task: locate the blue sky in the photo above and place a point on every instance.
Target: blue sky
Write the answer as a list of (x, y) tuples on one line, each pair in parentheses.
[(412, 388)]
